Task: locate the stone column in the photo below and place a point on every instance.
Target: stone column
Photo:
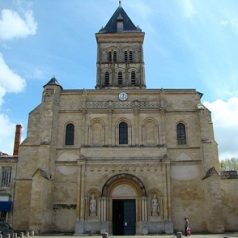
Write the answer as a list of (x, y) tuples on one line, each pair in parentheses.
[(168, 225), (144, 209), (83, 128), (143, 228), (162, 133), (79, 227), (82, 182), (103, 209), (103, 214), (109, 128), (168, 190), (208, 143), (136, 128)]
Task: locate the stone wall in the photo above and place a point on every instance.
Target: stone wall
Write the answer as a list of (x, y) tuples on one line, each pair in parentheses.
[(68, 175), (229, 188)]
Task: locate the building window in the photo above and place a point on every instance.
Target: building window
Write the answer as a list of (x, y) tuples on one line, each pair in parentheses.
[(109, 56), (114, 56), (123, 133), (125, 56), (181, 134), (119, 77), (5, 176), (131, 56), (106, 79), (133, 77), (69, 135), (3, 215), (120, 26)]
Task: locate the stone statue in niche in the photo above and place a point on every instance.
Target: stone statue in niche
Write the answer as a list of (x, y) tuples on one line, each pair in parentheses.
[(92, 205), (154, 206)]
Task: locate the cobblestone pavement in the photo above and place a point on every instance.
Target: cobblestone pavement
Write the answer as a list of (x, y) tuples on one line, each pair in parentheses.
[(228, 235)]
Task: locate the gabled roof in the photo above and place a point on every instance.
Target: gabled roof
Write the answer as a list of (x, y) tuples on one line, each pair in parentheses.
[(53, 81), (120, 15), (211, 172), (42, 173)]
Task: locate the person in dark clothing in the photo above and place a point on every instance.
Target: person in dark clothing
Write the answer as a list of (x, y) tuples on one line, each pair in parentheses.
[(186, 226)]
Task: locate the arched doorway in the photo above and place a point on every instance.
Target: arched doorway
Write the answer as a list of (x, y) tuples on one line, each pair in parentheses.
[(124, 193)]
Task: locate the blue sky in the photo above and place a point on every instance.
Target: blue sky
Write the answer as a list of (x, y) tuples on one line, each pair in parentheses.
[(188, 44)]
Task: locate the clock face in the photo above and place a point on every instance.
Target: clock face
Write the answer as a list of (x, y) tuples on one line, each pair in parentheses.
[(123, 96)]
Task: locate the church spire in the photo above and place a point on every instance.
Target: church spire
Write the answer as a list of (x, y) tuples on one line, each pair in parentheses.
[(120, 62), (119, 16)]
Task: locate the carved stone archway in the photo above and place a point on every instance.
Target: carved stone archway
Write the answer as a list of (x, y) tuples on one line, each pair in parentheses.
[(123, 186), (124, 178)]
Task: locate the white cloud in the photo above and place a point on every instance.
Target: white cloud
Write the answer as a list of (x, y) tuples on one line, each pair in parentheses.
[(7, 131), (225, 120), (188, 7), (230, 21), (224, 112), (12, 25), (9, 80)]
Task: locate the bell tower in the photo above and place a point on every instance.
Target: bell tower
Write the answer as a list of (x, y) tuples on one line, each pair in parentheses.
[(120, 61)]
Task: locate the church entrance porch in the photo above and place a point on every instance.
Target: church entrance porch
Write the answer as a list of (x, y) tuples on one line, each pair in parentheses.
[(124, 207), (124, 217)]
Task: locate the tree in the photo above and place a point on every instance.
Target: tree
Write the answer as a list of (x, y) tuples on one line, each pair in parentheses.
[(229, 164)]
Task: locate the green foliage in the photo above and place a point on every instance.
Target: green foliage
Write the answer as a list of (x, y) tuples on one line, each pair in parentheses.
[(229, 164)]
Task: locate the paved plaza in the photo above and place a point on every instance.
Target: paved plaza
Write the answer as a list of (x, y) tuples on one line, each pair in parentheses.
[(228, 235)]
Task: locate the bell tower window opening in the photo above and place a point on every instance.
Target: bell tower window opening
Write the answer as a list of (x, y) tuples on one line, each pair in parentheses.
[(123, 133), (130, 56), (133, 78), (109, 56), (125, 56), (114, 56), (106, 78), (119, 77)]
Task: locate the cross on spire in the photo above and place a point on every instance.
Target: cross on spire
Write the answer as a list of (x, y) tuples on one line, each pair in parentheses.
[(119, 3)]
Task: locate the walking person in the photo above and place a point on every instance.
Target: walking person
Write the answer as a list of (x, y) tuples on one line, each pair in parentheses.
[(187, 230)]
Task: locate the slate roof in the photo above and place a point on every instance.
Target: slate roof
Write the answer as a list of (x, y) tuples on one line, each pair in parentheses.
[(119, 14), (53, 81)]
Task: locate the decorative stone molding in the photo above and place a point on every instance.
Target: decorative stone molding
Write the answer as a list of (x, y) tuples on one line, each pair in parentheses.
[(135, 181), (64, 206), (115, 105)]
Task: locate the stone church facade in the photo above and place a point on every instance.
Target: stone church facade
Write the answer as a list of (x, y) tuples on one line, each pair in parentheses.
[(120, 158)]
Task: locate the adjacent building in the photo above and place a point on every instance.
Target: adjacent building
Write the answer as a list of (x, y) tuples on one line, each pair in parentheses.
[(8, 167)]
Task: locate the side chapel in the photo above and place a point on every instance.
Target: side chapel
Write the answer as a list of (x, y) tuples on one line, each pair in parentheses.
[(119, 158)]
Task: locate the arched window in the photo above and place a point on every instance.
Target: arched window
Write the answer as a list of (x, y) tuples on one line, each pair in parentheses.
[(106, 79), (109, 56), (69, 135), (123, 133), (181, 134), (133, 77), (119, 77)]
